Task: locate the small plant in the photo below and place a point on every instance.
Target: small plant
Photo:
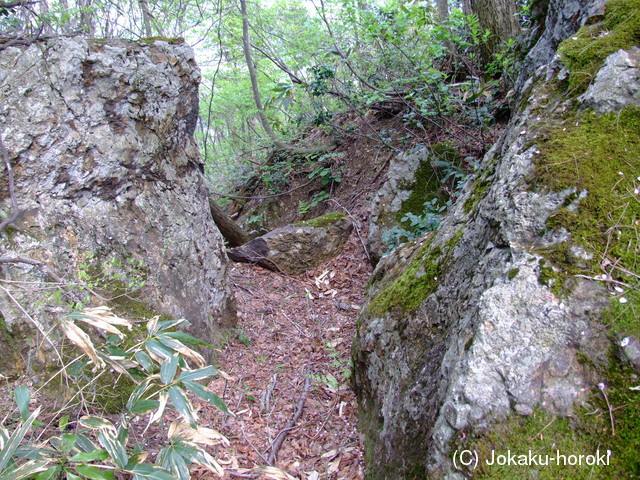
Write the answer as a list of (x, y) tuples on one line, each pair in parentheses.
[(163, 367), (344, 367), (240, 336), (418, 225)]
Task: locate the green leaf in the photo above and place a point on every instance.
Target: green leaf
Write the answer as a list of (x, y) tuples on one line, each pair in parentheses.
[(170, 459), (85, 444), (10, 446), (95, 473), (68, 442), (137, 393), (206, 395), (22, 396), (167, 324), (188, 339), (95, 422), (182, 404), (198, 374), (143, 406), (49, 473), (71, 476), (116, 450), (26, 470), (168, 369), (98, 454), (153, 472), (157, 348), (62, 424), (145, 360)]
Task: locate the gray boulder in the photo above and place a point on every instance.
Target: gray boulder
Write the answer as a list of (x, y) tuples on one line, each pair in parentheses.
[(617, 84), (296, 248), (109, 187), (490, 316)]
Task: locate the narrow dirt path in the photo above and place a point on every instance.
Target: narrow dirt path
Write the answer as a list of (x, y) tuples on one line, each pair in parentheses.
[(293, 340)]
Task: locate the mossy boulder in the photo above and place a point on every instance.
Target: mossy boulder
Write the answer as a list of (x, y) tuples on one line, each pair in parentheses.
[(299, 247), (514, 324), (413, 178), (110, 187)]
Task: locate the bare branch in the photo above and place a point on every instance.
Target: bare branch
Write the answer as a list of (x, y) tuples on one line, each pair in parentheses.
[(12, 193), (16, 3)]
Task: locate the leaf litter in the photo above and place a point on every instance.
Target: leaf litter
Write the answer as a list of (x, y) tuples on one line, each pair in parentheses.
[(291, 329)]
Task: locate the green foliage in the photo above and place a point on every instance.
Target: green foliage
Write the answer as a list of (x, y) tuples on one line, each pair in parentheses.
[(585, 52), (163, 367), (418, 225)]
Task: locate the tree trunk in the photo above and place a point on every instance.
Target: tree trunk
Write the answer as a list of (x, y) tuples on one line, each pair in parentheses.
[(500, 18), (246, 47), (442, 8), (230, 230)]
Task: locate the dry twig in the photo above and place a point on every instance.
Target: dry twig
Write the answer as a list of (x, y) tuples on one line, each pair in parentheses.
[(277, 443)]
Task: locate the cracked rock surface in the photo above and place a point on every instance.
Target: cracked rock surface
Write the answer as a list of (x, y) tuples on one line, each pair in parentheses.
[(109, 179)]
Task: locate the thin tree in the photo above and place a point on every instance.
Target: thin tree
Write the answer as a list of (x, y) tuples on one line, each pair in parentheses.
[(246, 47)]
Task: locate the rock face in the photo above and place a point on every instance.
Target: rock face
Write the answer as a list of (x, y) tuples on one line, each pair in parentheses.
[(412, 179), (617, 84), (109, 181), (294, 249), (472, 323)]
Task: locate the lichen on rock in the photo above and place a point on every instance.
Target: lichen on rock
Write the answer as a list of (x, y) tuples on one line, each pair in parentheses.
[(296, 248), (513, 327), (108, 176)]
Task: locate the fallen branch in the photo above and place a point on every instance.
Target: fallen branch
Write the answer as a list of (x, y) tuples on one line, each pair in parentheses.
[(277, 443)]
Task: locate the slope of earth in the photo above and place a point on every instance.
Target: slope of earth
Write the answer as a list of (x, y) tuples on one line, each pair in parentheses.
[(287, 188), (291, 348)]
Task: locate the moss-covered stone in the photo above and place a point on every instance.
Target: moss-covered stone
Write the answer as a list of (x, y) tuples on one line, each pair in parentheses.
[(590, 431), (585, 52), (322, 221), (513, 273), (169, 40), (418, 280), (427, 180), (596, 156), (479, 187)]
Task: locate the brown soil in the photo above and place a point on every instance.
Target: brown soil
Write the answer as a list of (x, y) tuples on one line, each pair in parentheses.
[(291, 329)]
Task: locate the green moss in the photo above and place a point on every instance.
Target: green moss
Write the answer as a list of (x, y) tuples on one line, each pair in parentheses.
[(427, 182), (585, 52), (597, 156), (169, 40), (418, 280), (480, 185), (322, 221), (624, 318), (513, 273), (586, 432), (540, 433)]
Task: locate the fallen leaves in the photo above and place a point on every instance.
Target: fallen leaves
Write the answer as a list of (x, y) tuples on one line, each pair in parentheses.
[(288, 326)]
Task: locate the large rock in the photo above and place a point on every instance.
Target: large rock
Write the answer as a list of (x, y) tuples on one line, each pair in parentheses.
[(109, 184), (296, 248), (617, 84), (413, 178), (495, 314)]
